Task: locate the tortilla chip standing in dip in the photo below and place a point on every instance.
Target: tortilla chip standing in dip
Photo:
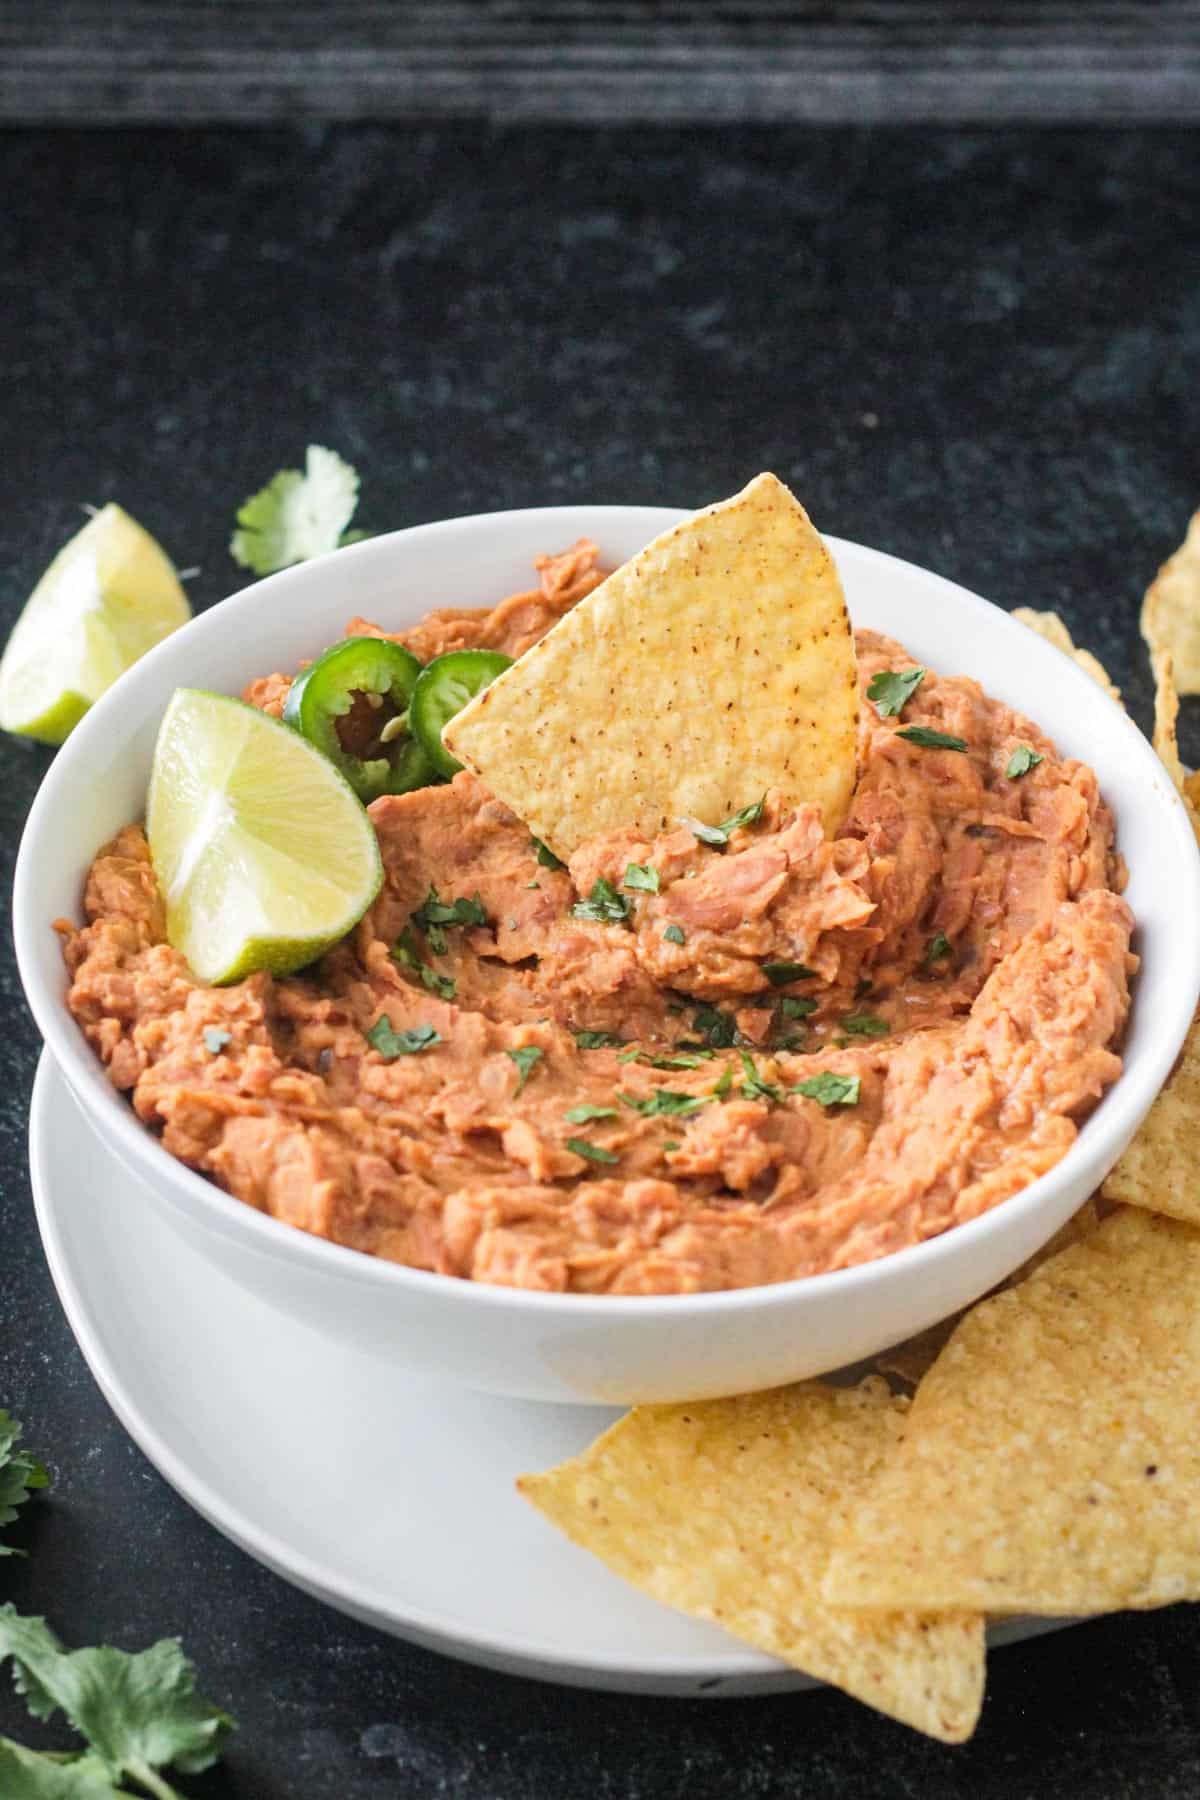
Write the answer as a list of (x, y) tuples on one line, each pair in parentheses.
[(792, 1003)]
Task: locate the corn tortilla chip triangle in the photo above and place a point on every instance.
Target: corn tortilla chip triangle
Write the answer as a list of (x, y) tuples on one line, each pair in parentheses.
[(1171, 611), (1049, 626), (1161, 1169), (726, 1510), (1051, 1461), (715, 665), (1166, 742)]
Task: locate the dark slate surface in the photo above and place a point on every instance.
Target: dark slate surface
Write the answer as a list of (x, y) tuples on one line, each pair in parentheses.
[(977, 351)]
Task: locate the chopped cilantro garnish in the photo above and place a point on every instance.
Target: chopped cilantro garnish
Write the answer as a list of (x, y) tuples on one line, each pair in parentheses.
[(780, 973), (297, 515), (545, 855), (717, 836), (865, 1025), (603, 904), (592, 1152), (716, 1028), (525, 1058), (20, 1475), (724, 1084), (797, 1006), (930, 739), (598, 1040), (754, 1087), (433, 913), (665, 1103), (829, 1089), (1021, 761), (936, 949), (670, 1144), (674, 934), (892, 688), (688, 1059), (391, 1043), (580, 1115), (641, 878), (404, 951), (215, 1039), (533, 884)]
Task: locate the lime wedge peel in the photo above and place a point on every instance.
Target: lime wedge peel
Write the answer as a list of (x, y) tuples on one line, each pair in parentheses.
[(110, 595), (263, 851)]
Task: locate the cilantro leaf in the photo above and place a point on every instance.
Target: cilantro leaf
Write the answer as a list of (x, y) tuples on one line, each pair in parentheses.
[(717, 1028), (215, 1039), (545, 855), (297, 515), (525, 1058), (717, 836), (138, 1713), (665, 1103), (687, 1059), (797, 1006), (828, 1089), (51, 1775), (936, 950), (865, 1025), (892, 688), (670, 1144), (391, 1043), (20, 1475), (598, 1040), (582, 1115), (674, 934), (603, 904), (1021, 761), (404, 951), (641, 878), (931, 740), (780, 973), (724, 1083), (591, 1152), (435, 912), (754, 1087)]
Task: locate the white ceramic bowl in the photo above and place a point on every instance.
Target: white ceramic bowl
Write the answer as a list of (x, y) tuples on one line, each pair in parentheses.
[(579, 1347)]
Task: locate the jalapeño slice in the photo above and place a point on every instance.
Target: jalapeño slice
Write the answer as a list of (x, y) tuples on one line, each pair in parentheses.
[(352, 704), (443, 689)]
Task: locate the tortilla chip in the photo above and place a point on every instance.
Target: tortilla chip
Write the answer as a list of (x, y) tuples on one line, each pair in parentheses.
[(1051, 1462), (1171, 611), (726, 1509), (715, 665), (1051, 627), (913, 1359), (1166, 742), (1161, 1169)]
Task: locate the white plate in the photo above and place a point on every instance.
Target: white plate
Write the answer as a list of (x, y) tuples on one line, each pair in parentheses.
[(396, 1505)]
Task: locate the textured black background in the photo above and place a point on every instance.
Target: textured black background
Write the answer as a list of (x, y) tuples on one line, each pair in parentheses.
[(979, 351)]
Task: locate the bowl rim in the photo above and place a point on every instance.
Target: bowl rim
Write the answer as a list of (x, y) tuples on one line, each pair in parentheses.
[(220, 1212)]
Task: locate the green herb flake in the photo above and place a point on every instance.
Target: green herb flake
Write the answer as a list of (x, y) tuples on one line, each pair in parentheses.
[(930, 739), (688, 1059), (754, 1087), (526, 1058), (641, 878), (717, 1029), (865, 1025), (405, 952), (797, 1006), (664, 1103), (533, 884), (299, 514), (717, 836), (1021, 761), (391, 1043), (582, 1115), (891, 689), (780, 973), (671, 1144), (603, 905), (599, 1040), (829, 1089), (591, 1152), (545, 855), (724, 1083), (936, 950), (674, 934), (215, 1039)]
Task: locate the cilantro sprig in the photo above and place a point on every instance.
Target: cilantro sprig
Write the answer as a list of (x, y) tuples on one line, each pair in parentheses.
[(391, 1043), (603, 905), (299, 514), (404, 951), (20, 1476), (434, 914)]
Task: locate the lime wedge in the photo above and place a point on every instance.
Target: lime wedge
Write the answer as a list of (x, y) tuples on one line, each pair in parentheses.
[(109, 596), (262, 850)]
